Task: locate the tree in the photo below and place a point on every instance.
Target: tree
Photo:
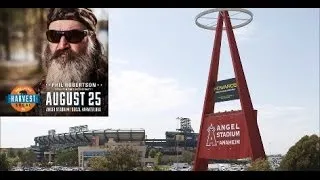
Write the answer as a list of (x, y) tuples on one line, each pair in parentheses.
[(13, 161), (304, 155), (260, 165), (170, 160), (121, 158), (152, 153), (98, 164), (28, 158), (20, 153), (157, 168), (4, 164), (158, 157), (68, 157), (11, 153), (187, 156)]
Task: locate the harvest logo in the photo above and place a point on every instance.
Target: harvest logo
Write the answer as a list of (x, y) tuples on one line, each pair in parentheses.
[(23, 98)]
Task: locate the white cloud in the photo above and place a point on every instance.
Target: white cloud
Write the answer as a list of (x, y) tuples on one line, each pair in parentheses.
[(120, 61), (245, 33), (138, 91), (269, 111), (241, 34), (282, 126)]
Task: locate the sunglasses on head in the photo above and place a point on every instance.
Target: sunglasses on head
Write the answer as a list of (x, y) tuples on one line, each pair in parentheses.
[(72, 36)]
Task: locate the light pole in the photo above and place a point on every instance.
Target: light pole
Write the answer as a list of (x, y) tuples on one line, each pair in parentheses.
[(269, 148), (177, 150)]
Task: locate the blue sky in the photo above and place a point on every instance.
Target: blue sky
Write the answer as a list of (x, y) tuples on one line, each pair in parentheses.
[(159, 63)]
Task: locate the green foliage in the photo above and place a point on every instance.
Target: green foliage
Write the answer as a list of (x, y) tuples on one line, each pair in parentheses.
[(164, 167), (304, 155), (68, 157), (187, 156), (28, 158), (158, 157), (170, 160), (13, 161), (139, 168), (11, 153), (20, 153), (4, 164), (260, 165), (157, 168), (152, 153), (98, 163), (121, 158)]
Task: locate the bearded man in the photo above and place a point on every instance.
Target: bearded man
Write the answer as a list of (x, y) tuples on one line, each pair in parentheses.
[(73, 54)]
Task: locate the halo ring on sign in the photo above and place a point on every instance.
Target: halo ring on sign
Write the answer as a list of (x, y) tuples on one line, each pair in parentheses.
[(211, 11)]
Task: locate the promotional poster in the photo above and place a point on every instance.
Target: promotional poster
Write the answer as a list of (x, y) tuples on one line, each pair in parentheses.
[(54, 62)]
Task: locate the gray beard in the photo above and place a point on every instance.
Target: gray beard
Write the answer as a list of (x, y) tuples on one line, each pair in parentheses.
[(69, 68), (71, 72)]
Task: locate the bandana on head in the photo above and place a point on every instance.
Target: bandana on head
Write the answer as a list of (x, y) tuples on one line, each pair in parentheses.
[(83, 15)]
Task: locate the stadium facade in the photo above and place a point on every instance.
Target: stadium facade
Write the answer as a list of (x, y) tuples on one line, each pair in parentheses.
[(82, 138)]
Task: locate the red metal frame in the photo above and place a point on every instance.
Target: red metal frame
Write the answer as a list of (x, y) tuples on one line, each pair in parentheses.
[(253, 134)]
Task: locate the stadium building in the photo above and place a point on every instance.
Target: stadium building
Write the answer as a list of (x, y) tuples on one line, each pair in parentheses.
[(92, 143)]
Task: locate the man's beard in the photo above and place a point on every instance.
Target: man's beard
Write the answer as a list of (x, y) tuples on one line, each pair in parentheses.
[(67, 66)]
